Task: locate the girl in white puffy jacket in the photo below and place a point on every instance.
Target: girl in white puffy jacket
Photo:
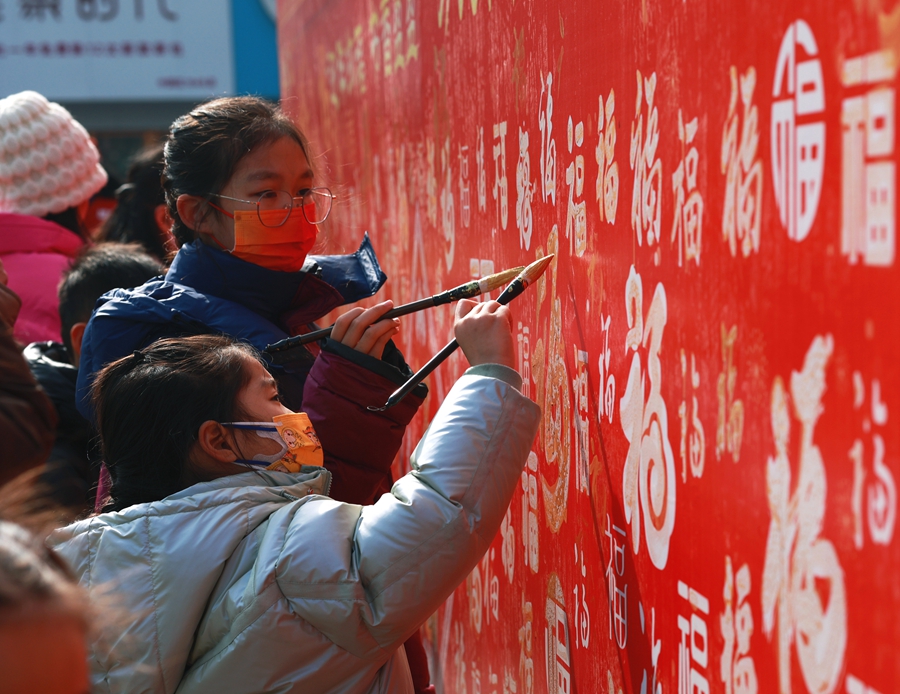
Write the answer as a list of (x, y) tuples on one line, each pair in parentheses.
[(257, 581)]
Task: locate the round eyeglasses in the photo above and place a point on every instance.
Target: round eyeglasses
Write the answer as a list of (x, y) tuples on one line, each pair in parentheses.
[(314, 202)]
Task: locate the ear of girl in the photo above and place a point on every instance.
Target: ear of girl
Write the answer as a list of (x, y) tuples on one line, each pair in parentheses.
[(219, 447)]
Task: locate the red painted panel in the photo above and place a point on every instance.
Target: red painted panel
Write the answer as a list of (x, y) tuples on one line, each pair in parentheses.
[(711, 503)]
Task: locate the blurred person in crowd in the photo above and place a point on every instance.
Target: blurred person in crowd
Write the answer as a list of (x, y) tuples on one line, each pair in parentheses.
[(246, 205), (49, 169), (27, 417), (246, 579), (71, 474), (100, 207), (141, 215), (45, 617)]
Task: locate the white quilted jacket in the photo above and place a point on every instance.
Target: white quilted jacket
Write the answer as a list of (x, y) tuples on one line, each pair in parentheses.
[(259, 583)]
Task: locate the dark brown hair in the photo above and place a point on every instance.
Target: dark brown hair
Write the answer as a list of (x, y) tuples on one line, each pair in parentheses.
[(205, 146), (150, 406), (134, 219)]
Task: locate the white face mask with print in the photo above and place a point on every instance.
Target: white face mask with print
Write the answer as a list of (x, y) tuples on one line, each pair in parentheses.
[(266, 430)]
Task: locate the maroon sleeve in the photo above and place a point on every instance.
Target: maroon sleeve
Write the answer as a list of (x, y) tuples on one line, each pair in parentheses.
[(418, 664), (359, 445), (27, 417)]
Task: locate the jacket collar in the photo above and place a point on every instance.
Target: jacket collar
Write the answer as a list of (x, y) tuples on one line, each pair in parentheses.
[(310, 480), (268, 293)]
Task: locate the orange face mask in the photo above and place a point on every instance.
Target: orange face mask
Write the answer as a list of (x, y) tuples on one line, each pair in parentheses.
[(283, 248)]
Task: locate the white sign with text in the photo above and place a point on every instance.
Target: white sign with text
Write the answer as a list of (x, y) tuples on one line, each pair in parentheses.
[(89, 50)]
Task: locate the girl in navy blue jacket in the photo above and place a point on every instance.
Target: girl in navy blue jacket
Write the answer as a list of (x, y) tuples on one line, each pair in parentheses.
[(246, 207)]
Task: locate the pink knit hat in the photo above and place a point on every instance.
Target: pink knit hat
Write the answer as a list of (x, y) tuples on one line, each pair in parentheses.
[(47, 160)]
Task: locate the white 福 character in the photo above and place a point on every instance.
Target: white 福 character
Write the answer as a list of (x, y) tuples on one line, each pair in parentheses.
[(868, 170), (693, 645), (798, 131), (646, 199), (607, 398), (617, 597), (500, 190), (526, 648), (881, 496), (464, 195), (730, 421), (508, 545), (582, 613), (742, 168), (648, 480), (524, 192), (548, 144), (523, 336), (693, 438), (530, 547), (605, 152), (481, 172), (556, 636), (582, 421), (576, 214), (736, 667), (448, 223), (800, 566), (687, 227)]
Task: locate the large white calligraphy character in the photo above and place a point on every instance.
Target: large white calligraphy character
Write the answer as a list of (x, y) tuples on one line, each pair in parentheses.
[(648, 481), (801, 567)]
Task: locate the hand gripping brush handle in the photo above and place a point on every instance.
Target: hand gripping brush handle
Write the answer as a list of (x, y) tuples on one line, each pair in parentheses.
[(516, 287), (463, 291)]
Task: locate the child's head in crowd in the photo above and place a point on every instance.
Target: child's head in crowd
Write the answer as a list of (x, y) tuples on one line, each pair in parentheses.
[(140, 215), (94, 272), (163, 412)]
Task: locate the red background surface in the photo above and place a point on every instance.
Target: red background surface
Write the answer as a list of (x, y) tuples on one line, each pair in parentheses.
[(389, 93)]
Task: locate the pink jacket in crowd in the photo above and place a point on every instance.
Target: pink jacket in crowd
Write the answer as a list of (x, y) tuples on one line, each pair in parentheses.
[(35, 253)]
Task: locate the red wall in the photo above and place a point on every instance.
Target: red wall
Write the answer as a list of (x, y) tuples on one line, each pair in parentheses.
[(711, 502)]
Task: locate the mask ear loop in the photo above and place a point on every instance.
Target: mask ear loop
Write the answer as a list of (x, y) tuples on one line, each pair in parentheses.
[(230, 215), (212, 236)]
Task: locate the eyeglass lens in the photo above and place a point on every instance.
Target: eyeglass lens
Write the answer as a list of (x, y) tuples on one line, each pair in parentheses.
[(315, 203)]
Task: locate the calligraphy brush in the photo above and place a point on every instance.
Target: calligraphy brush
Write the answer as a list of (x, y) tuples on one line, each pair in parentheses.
[(463, 291), (529, 275)]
